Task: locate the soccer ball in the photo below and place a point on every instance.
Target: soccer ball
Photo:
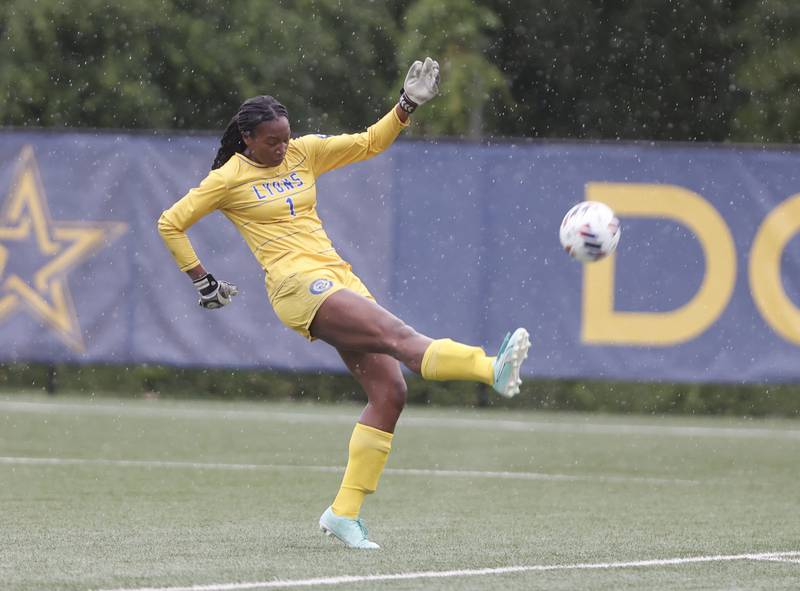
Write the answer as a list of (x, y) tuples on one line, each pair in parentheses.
[(589, 231)]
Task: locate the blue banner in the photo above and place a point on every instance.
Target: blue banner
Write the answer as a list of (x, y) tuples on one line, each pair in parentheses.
[(458, 239)]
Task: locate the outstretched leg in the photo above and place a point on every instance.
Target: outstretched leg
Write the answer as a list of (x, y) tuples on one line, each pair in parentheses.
[(351, 322)]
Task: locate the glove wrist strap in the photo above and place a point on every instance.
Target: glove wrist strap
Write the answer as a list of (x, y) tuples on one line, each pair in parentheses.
[(406, 103), (206, 284)]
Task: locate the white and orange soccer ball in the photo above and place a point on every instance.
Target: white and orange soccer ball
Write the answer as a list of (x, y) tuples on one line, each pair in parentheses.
[(589, 231)]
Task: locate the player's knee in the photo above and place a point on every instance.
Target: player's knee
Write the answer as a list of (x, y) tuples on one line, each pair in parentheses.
[(397, 391), (390, 388), (388, 393)]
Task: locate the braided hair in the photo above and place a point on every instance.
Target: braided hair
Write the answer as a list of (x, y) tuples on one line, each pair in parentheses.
[(252, 112)]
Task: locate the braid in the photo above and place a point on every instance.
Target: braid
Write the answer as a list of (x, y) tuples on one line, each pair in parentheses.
[(230, 143), (252, 112)]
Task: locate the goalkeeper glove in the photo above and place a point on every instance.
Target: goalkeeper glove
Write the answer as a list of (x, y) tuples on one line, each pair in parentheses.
[(214, 294), (421, 85)]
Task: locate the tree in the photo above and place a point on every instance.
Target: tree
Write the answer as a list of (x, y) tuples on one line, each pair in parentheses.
[(645, 69), (474, 91), (619, 69), (92, 66), (190, 63), (770, 75)]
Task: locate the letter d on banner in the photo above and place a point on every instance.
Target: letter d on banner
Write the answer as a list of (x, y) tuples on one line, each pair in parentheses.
[(603, 325)]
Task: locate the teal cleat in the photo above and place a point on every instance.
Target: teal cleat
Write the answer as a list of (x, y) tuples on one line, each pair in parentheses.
[(352, 532), (509, 359)]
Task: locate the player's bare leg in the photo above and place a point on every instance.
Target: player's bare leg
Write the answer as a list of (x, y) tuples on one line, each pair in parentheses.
[(373, 342), (351, 322), (382, 380), (370, 443)]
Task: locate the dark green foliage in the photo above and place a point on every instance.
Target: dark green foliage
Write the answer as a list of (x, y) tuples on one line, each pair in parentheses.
[(652, 69), (458, 34), (770, 72), (612, 397), (633, 70), (189, 64)]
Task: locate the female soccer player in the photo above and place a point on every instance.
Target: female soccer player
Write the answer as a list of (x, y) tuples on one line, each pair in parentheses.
[(264, 182)]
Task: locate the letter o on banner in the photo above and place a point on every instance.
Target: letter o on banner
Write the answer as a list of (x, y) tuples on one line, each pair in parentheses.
[(766, 285)]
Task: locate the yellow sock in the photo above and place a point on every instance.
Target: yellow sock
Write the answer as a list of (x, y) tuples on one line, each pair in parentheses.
[(369, 448), (445, 359)]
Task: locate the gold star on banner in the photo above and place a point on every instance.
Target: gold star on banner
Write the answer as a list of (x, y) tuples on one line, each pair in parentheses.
[(58, 247)]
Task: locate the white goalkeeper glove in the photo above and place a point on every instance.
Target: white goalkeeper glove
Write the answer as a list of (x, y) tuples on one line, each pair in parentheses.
[(421, 85), (214, 294)]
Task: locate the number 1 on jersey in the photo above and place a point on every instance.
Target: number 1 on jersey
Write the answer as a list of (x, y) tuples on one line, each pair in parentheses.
[(291, 205)]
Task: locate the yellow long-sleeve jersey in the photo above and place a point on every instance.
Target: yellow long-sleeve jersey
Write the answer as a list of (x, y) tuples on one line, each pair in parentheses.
[(274, 208)]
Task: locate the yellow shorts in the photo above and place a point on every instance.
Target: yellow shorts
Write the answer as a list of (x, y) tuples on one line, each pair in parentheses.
[(298, 297)]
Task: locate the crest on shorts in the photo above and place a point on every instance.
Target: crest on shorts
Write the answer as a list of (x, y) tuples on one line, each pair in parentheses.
[(320, 286)]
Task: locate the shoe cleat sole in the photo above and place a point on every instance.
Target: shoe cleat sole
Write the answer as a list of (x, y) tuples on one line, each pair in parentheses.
[(518, 354)]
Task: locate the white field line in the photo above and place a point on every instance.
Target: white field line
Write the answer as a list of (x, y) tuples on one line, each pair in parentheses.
[(14, 460), (779, 559), (329, 581), (125, 410)]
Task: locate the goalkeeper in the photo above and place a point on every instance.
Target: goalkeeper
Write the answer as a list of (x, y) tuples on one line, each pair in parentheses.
[(264, 181)]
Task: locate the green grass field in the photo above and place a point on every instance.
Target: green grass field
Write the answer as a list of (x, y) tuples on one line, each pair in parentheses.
[(135, 494)]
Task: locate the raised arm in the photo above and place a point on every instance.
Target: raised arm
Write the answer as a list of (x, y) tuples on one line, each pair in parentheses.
[(421, 85)]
